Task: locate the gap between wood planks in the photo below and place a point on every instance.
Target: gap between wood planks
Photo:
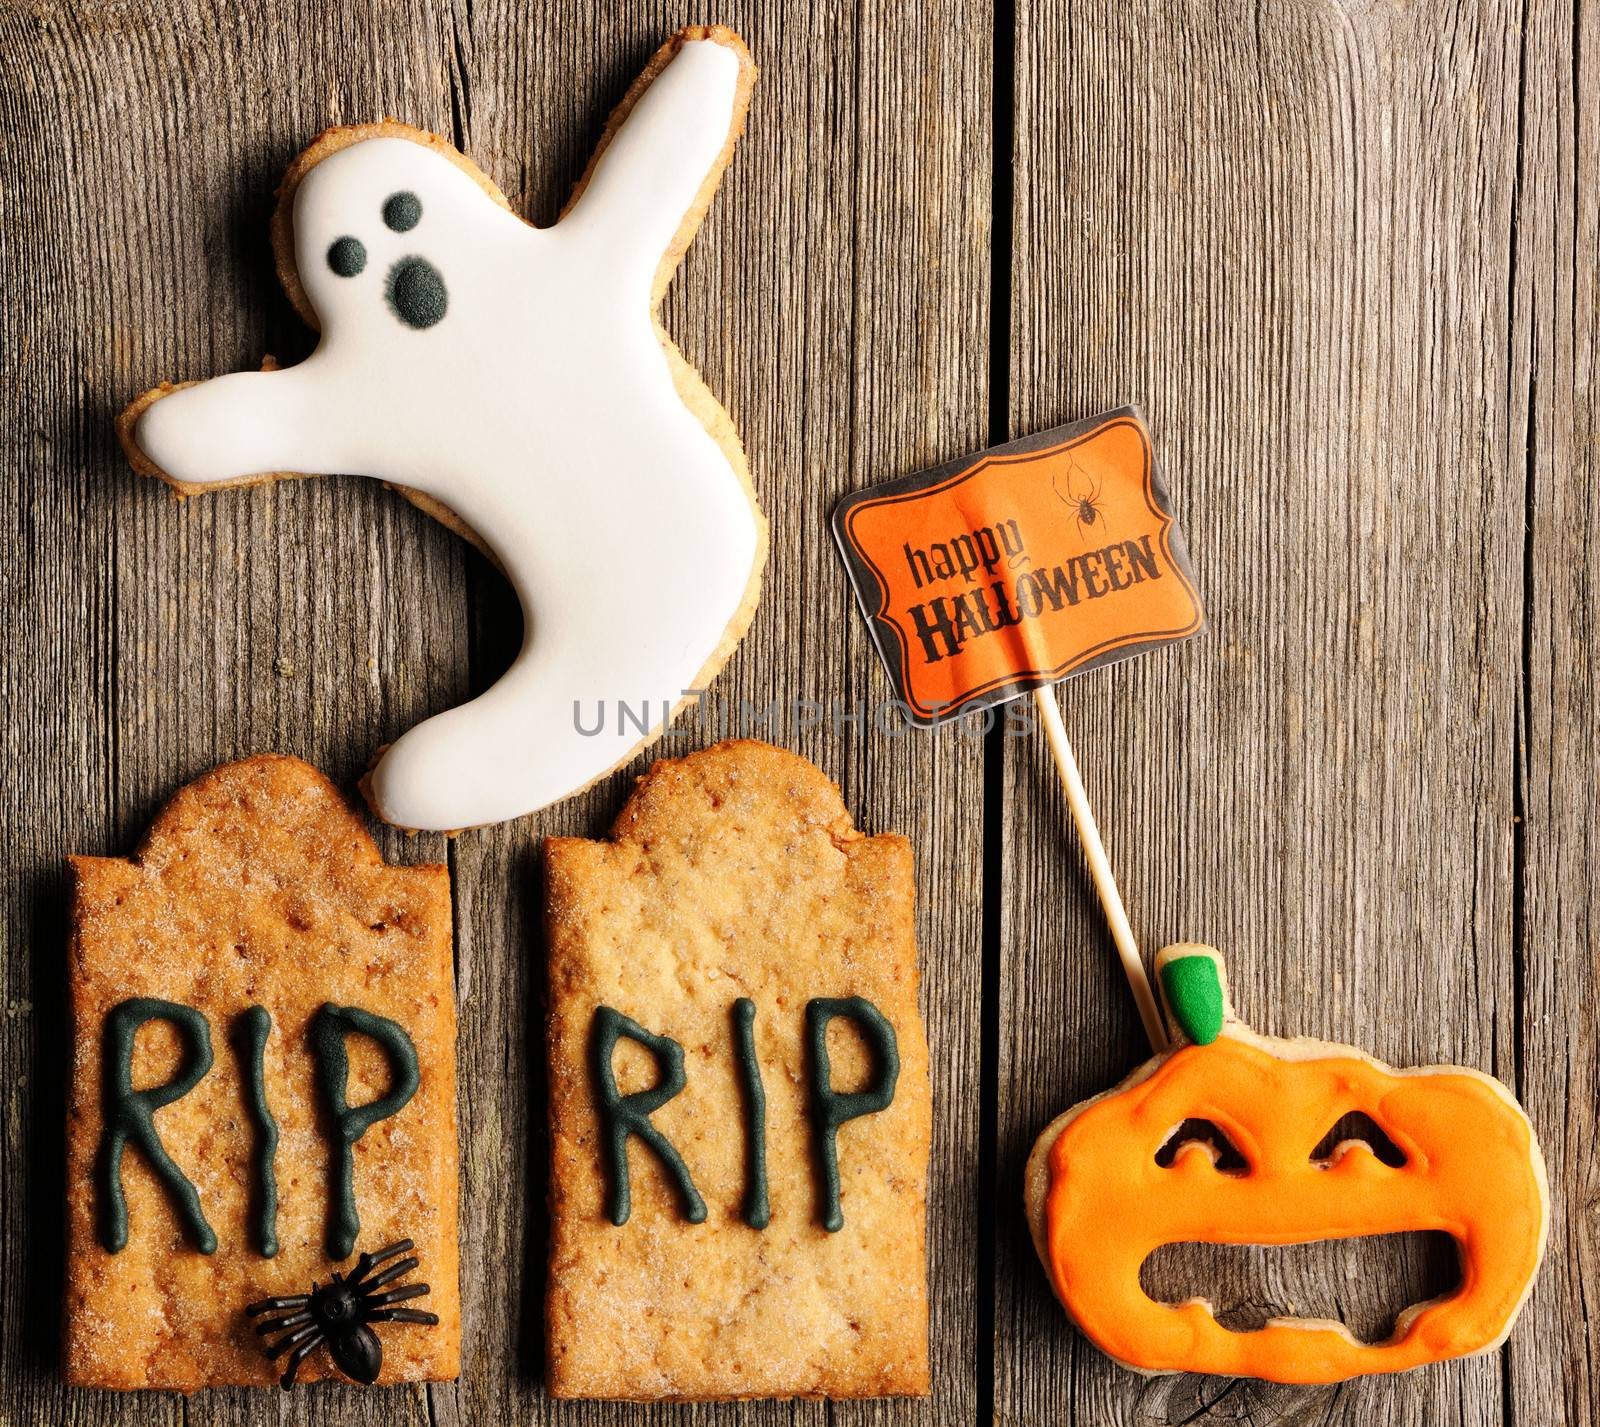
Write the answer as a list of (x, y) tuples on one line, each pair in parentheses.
[(1519, 777), (1003, 133)]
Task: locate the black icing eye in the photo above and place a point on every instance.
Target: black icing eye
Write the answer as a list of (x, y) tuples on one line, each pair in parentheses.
[(402, 211), (347, 256), (416, 292)]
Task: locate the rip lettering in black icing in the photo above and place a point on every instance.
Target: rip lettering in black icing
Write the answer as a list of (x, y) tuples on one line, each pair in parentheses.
[(128, 1114), (622, 1116), (251, 1032), (830, 1108), (757, 1211), (329, 1027)]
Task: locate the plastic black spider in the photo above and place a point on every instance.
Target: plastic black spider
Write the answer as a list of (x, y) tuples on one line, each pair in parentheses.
[(339, 1315)]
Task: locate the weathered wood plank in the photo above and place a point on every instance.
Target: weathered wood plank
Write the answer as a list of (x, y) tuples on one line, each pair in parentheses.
[(325, 617), (1285, 231), (1364, 336), (859, 187), (1553, 1364), (318, 618)]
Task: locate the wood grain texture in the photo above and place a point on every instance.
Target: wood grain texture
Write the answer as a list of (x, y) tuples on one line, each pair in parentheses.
[(155, 639), (1553, 1362), (1289, 233), (150, 640), (1345, 258)]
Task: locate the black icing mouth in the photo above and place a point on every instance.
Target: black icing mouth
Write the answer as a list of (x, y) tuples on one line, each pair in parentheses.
[(416, 293), (1366, 1283)]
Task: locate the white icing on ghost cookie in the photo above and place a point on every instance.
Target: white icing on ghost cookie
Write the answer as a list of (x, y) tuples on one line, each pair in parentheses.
[(516, 376)]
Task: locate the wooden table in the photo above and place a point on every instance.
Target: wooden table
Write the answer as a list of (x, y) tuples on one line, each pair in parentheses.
[(1343, 256)]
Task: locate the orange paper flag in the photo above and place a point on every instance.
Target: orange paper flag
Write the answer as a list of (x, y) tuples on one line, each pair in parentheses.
[(1007, 570)]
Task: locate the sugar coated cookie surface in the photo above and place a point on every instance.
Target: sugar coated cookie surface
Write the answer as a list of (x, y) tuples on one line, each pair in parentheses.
[(739, 1094), (250, 979), (1100, 1201), (515, 383)]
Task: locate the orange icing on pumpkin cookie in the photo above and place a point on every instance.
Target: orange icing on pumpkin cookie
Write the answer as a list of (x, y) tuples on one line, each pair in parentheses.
[(1472, 1169)]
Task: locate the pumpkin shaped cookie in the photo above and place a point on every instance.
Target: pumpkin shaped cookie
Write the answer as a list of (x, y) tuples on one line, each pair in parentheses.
[(1099, 1203)]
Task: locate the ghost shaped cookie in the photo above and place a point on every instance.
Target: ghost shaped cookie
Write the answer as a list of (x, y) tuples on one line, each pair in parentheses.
[(514, 382)]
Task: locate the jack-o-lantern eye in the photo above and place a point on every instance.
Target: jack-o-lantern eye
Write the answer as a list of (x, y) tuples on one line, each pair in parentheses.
[(1357, 1127), (1212, 1141)]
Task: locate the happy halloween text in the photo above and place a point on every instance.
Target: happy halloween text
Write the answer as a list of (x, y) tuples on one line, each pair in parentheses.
[(945, 622)]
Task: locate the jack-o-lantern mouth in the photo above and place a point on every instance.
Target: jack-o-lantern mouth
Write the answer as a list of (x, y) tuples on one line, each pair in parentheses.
[(1367, 1285)]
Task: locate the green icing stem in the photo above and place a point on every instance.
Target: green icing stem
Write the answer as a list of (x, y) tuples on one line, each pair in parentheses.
[(130, 1114), (1194, 996), (624, 1115), (329, 1027), (251, 1032), (757, 1206), (833, 1109)]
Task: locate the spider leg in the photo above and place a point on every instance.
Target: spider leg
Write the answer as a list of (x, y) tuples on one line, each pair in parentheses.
[(299, 1355), (273, 1324), (398, 1295), (389, 1274), (402, 1315), (272, 1305), (298, 1336), (367, 1262)]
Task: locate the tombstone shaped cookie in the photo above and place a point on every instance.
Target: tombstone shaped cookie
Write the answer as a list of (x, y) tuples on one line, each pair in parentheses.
[(514, 382), (1101, 1197), (261, 1136), (738, 1095)]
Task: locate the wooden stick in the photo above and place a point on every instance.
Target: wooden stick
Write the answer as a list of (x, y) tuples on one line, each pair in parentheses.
[(1105, 881)]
